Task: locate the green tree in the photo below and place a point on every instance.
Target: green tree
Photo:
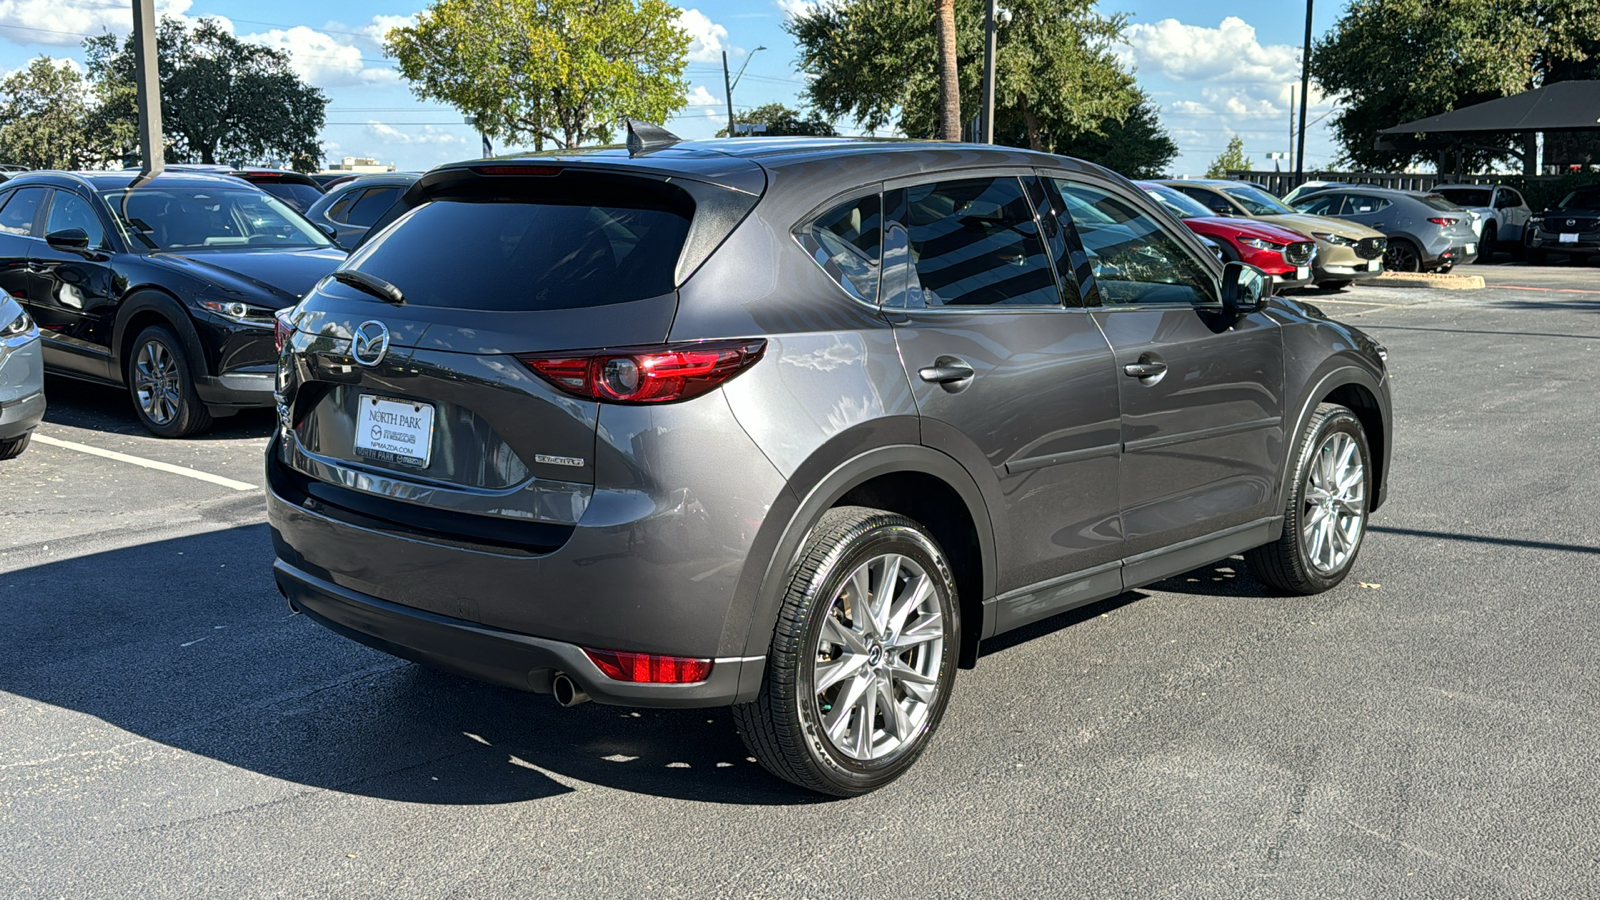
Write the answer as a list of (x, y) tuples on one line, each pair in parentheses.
[(781, 121), (565, 72), (875, 61), (1137, 147), (222, 100), (45, 119), (1231, 159), (1391, 61)]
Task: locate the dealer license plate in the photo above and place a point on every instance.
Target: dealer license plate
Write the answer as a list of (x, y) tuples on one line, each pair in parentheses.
[(1569, 239), (394, 430), (1471, 249), (1302, 273)]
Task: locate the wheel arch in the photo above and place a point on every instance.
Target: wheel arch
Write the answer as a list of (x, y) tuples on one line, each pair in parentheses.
[(148, 306), (909, 479), (1363, 395)]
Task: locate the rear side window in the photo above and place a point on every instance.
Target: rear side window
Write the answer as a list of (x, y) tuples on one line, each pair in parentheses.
[(975, 242), (1320, 205), (535, 244), (847, 242), (299, 196), (20, 210), (371, 206), (1360, 205)]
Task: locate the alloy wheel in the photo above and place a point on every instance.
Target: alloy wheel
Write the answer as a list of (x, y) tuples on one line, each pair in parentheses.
[(877, 665), (1335, 506), (1399, 257), (158, 382)]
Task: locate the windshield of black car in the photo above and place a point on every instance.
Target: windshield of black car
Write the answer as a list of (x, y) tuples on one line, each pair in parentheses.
[(1257, 202), (299, 196), (210, 217), (540, 244), (1467, 196), (1179, 204), (1582, 198)]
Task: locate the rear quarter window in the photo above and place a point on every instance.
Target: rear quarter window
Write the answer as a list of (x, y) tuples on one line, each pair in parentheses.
[(525, 245)]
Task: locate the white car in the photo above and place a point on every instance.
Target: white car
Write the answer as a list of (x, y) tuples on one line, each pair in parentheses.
[(1500, 214)]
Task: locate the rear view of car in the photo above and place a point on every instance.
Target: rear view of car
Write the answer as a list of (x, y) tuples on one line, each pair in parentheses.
[(21, 378)]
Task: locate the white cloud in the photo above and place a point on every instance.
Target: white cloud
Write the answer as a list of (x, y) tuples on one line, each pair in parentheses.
[(322, 59), (795, 9), (413, 134), (66, 23), (707, 39), (377, 29), (1227, 53), (702, 97)]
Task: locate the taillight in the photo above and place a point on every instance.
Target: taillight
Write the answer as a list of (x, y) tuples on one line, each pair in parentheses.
[(649, 668), (646, 374), (1445, 222), (282, 329)]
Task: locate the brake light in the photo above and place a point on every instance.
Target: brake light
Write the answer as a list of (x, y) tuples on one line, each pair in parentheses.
[(649, 668), (517, 170), (282, 329), (1445, 222), (646, 374)]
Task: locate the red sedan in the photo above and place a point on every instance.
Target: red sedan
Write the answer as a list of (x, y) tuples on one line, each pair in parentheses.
[(1283, 254)]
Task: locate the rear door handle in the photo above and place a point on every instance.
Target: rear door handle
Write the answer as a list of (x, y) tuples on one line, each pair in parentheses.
[(1145, 369), (945, 372)]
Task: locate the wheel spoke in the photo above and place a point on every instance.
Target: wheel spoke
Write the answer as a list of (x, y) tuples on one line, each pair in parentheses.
[(888, 582), (928, 628), (860, 595), (836, 632), (916, 592), (837, 670), (895, 720), (838, 719), (868, 709)]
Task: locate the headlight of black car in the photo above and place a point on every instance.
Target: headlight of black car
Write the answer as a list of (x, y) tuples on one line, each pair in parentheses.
[(239, 311), (20, 325)]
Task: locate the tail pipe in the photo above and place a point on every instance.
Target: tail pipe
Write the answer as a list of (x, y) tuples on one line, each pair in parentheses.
[(566, 691)]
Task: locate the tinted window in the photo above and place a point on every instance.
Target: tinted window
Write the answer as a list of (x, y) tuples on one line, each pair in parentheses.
[(575, 242), (341, 205), (68, 210), (1211, 200), (1467, 196), (1179, 204), (1362, 205), (1438, 202), (20, 210), (1582, 198), (1509, 198), (847, 242), (210, 217), (1134, 260), (372, 205), (299, 196), (975, 243), (1321, 204), (1256, 201)]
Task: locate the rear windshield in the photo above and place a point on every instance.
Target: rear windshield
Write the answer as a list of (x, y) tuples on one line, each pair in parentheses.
[(1438, 202), (580, 243), (1179, 204), (1257, 202), (299, 196), (1467, 196)]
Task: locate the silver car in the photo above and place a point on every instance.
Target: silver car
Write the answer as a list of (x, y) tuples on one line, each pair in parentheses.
[(1427, 233), (21, 378), (1502, 214)]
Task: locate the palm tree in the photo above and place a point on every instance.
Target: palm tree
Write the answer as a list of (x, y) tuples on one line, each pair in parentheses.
[(949, 84)]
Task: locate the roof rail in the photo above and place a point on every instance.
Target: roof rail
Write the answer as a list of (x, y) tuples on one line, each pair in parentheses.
[(644, 137)]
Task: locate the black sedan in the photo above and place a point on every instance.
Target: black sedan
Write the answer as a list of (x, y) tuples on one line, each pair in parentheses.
[(351, 207), (1571, 227), (168, 288)]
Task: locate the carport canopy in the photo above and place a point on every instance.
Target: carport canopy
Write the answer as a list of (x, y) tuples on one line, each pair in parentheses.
[(1563, 106)]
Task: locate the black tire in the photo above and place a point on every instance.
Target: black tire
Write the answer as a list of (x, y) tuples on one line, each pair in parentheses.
[(11, 448), (1402, 256), (1286, 564), (1488, 243), (167, 371), (786, 727), (1334, 285)]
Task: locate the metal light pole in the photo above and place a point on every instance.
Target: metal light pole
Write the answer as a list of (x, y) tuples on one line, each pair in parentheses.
[(729, 84), (990, 28), (147, 78), (1305, 84)]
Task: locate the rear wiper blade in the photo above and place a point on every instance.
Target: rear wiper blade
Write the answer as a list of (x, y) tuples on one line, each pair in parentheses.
[(371, 284)]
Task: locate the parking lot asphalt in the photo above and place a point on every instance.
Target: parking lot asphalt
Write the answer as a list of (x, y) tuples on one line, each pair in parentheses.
[(168, 729)]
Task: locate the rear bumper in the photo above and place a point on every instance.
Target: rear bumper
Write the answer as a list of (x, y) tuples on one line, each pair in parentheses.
[(22, 416), (488, 654)]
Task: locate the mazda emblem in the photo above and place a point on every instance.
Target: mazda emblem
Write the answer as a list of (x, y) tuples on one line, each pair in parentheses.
[(371, 342), (1571, 223)]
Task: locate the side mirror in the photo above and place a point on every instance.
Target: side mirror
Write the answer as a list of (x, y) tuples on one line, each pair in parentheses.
[(1245, 288), (74, 239), (331, 232)]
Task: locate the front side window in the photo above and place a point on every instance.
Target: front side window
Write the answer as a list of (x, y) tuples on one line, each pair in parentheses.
[(1134, 260), (975, 242), (19, 211), (67, 211), (847, 242)]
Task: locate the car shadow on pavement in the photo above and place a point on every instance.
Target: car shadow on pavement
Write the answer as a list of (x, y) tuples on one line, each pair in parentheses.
[(98, 407), (186, 642)]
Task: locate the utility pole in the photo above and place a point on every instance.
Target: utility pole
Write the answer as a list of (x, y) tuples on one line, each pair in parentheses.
[(1291, 120), (990, 27), (1305, 84), (727, 86), (147, 77)]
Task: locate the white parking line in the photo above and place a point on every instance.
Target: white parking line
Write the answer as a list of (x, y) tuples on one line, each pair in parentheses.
[(147, 463)]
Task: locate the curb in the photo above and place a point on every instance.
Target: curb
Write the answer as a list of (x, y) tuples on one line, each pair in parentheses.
[(1429, 280)]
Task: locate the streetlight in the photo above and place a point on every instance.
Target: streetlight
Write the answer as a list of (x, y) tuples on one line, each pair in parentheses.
[(728, 85), (993, 18)]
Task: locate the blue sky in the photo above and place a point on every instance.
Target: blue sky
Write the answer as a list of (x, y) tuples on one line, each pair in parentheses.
[(1214, 70)]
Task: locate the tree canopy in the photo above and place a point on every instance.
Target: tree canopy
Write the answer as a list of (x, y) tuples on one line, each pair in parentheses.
[(566, 72), (781, 121), (1137, 147), (876, 61), (45, 119), (1230, 159), (222, 100), (1393, 61)]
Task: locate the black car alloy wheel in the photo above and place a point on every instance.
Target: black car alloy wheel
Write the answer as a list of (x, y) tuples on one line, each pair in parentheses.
[(162, 385)]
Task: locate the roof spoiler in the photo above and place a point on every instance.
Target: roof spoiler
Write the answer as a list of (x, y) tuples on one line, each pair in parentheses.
[(644, 137)]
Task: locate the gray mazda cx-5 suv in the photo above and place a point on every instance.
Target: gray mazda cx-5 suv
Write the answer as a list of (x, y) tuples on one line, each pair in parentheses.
[(792, 425)]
